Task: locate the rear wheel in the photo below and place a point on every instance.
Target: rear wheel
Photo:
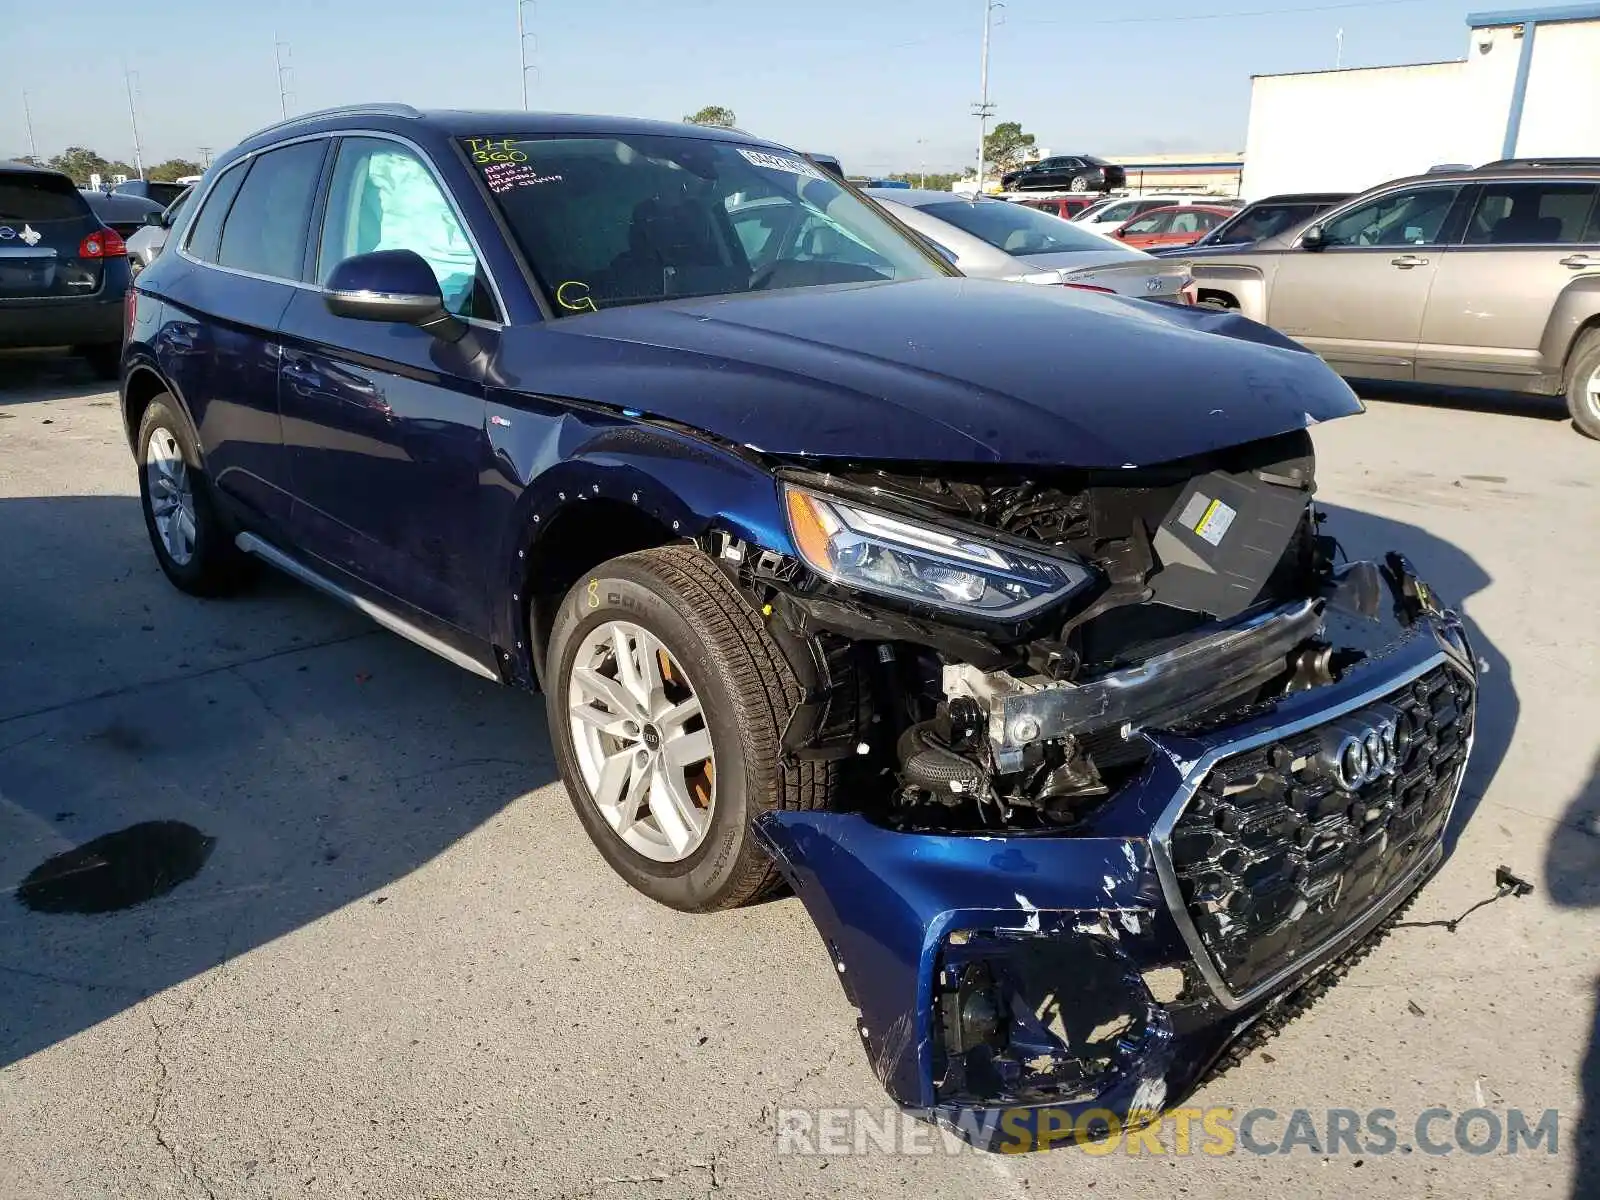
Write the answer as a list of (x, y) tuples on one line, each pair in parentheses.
[(1079, 184), (1583, 384), (191, 541), (667, 703)]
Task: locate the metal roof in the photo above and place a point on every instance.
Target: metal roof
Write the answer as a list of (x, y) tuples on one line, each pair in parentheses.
[(1534, 16)]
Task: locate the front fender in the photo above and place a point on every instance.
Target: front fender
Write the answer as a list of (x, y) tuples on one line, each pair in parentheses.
[(550, 456)]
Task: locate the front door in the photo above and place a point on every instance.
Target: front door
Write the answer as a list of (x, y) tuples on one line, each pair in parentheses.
[(1524, 244), (1358, 301), (384, 423)]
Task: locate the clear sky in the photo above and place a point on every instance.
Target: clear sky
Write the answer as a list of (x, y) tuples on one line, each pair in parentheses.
[(885, 84)]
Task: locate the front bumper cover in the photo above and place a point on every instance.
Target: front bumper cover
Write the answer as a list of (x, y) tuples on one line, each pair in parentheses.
[(1014, 978)]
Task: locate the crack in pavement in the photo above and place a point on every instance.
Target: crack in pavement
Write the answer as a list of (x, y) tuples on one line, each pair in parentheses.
[(189, 675)]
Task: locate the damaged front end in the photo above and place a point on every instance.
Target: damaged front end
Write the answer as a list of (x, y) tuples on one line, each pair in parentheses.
[(1130, 760)]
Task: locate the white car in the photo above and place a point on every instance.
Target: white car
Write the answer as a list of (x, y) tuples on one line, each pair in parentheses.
[(995, 239), (1117, 211)]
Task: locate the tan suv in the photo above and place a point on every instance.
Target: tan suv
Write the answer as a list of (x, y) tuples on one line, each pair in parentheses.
[(1486, 278)]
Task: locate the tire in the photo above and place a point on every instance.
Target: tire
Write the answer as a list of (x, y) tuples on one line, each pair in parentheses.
[(717, 649), (1221, 303), (104, 361), (213, 566), (1078, 184), (1583, 384)]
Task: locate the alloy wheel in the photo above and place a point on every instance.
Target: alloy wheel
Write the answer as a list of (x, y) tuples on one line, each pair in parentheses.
[(1591, 392), (171, 495), (641, 741)]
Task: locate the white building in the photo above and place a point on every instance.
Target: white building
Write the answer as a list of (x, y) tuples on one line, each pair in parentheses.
[(1529, 86)]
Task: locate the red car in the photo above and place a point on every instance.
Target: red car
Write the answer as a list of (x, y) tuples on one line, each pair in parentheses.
[(1065, 207), (1175, 226)]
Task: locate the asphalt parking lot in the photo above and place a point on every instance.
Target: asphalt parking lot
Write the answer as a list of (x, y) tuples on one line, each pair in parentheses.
[(402, 970)]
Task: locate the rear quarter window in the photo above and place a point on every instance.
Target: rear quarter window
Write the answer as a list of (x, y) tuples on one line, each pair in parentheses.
[(208, 222), (30, 197)]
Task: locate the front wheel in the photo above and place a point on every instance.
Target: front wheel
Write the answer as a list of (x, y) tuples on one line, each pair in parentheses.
[(1583, 384), (667, 700)]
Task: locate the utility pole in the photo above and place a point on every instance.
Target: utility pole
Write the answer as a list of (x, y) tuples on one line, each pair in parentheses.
[(983, 109), (205, 158), (1338, 50), (27, 118), (133, 119), (279, 48), (522, 49)]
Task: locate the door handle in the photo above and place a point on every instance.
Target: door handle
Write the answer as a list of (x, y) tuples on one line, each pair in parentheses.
[(1576, 261), (1406, 261)]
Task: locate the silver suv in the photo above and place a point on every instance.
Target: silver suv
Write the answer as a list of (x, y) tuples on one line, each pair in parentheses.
[(1486, 278)]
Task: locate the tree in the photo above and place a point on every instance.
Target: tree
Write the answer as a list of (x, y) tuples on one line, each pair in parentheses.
[(80, 162), (1007, 147), (172, 170), (934, 181), (714, 115)]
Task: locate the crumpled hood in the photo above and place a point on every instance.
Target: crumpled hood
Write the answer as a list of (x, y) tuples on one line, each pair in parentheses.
[(941, 370)]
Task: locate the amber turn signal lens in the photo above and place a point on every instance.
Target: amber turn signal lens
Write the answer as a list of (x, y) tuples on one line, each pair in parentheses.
[(810, 527)]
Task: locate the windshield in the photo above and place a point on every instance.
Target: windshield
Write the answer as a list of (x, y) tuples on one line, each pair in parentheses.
[(1015, 228), (607, 221)]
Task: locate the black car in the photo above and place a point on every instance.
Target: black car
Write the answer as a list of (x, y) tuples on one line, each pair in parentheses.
[(126, 214), (1264, 219), (1046, 691), (161, 193), (1066, 173), (62, 271)]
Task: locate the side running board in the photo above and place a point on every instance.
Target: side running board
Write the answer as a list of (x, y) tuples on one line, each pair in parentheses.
[(251, 544)]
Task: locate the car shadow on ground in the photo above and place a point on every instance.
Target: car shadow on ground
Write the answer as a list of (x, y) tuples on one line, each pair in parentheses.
[(1572, 873), (291, 780), (30, 375), (1456, 577), (1548, 408)]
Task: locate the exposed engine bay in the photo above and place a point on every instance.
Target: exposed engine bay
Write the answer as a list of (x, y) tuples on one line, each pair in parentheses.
[(1209, 590)]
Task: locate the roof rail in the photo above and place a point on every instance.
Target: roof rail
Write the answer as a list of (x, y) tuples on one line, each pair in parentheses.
[(342, 110), (1553, 161)]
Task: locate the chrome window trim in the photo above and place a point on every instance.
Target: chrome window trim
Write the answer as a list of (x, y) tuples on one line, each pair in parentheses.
[(1161, 835), (304, 285)]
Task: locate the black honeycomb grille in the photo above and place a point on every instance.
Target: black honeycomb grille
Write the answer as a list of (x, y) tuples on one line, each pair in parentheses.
[(1274, 858)]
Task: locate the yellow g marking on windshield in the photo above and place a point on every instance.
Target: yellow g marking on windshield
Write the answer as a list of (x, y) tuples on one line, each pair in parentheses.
[(569, 297)]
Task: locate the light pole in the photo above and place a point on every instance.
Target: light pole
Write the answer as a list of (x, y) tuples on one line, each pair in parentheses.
[(27, 118), (133, 119), (983, 109), (279, 49), (522, 49)]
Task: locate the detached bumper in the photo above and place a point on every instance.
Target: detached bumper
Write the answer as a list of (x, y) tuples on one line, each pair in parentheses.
[(1015, 984)]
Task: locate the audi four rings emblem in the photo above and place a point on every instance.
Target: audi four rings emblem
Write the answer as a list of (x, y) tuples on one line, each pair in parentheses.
[(1361, 747)]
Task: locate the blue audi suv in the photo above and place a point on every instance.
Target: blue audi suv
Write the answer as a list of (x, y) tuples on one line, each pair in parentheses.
[(998, 623)]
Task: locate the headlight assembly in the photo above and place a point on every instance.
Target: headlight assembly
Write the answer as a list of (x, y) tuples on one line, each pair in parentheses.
[(888, 554)]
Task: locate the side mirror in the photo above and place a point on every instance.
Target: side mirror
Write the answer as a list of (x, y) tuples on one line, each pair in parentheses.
[(393, 286), (1312, 238)]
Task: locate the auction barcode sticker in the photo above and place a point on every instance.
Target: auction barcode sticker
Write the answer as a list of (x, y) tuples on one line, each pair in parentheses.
[(781, 162)]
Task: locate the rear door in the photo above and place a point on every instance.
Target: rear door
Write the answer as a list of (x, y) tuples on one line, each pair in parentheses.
[(219, 341), (385, 423), (44, 223), (1359, 300), (1524, 243)]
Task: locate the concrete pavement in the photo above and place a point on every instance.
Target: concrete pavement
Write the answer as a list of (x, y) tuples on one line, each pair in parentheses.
[(404, 972)]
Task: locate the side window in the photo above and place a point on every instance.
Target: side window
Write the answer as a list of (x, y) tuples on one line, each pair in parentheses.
[(1531, 213), (1412, 217), (265, 232), (1206, 221), (1155, 223), (208, 223), (1118, 213), (385, 198), (1186, 222)]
